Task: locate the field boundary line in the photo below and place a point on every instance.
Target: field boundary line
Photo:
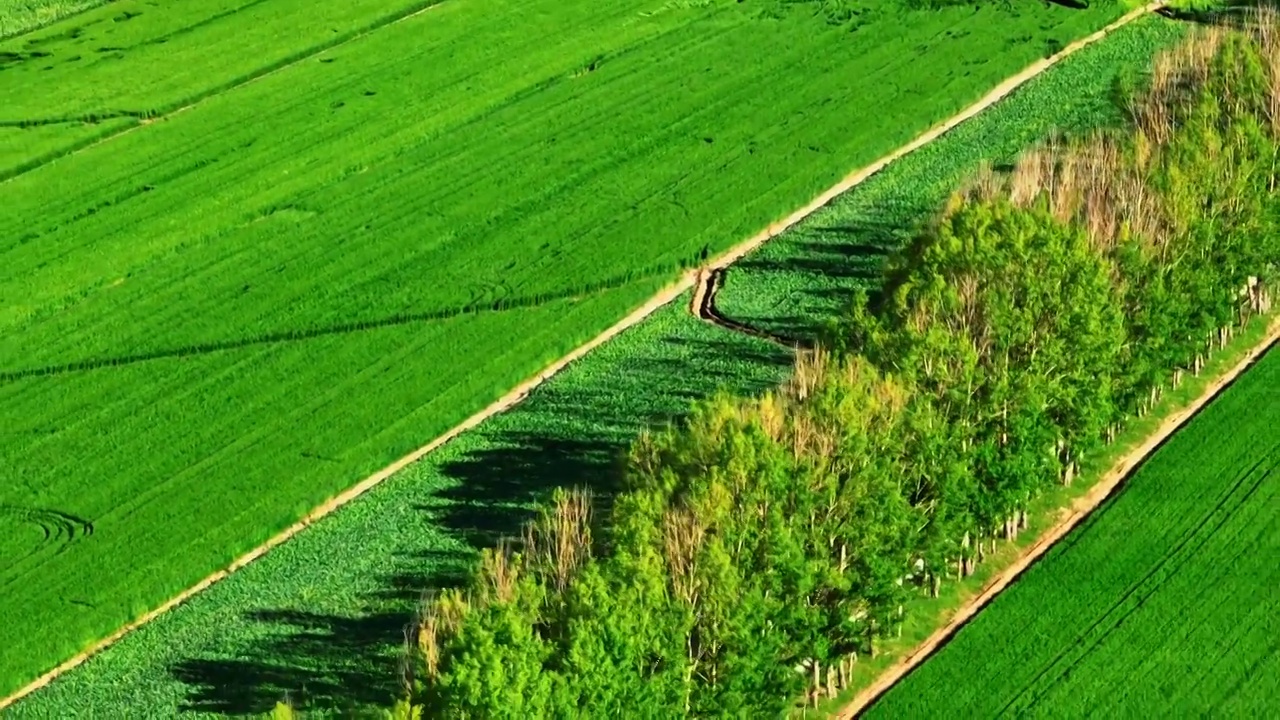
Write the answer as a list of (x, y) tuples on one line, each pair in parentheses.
[(689, 279), (1081, 508)]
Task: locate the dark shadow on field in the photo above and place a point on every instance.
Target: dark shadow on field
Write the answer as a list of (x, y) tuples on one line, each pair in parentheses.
[(1070, 4), (1226, 12), (832, 262), (315, 662), (572, 431), (323, 662), (579, 435)]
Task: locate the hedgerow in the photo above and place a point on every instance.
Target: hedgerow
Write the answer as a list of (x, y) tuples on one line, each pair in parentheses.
[(279, 293), (765, 539)]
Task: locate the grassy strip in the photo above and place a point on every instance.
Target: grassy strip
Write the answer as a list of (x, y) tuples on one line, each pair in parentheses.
[(926, 615), (1069, 600), (454, 159), (324, 625)]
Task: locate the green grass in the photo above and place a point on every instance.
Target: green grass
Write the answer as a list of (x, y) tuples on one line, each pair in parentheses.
[(213, 322), (925, 615), (1163, 601), (321, 617), (798, 281), (20, 16)]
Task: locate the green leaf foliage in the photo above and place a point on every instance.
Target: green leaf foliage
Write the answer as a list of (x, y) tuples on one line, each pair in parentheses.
[(1040, 312)]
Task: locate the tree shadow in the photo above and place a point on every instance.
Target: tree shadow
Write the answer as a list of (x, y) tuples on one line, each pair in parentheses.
[(571, 431), (311, 665), (833, 262), (1230, 11), (323, 662), (578, 436)]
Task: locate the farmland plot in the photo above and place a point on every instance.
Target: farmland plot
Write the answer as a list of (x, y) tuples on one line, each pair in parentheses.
[(213, 322), (1162, 603), (19, 16), (320, 618), (106, 70)]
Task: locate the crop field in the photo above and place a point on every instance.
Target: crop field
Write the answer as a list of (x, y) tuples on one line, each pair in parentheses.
[(325, 625), (235, 282), (793, 284), (1162, 602), (19, 16), (286, 623)]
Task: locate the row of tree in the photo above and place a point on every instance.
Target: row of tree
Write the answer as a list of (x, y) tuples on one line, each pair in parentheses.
[(765, 538)]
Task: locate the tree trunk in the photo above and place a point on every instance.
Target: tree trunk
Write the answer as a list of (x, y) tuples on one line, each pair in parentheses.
[(688, 679)]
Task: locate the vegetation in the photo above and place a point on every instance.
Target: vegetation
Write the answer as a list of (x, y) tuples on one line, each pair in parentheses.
[(767, 538), (793, 285), (227, 314), (20, 16), (320, 619), (1160, 600), (325, 628)]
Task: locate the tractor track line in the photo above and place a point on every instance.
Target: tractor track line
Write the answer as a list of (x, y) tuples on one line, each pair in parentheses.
[(703, 306), (1079, 510), (700, 279), (199, 99)]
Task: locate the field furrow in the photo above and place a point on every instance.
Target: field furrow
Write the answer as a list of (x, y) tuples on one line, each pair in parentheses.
[(1163, 598), (325, 625)]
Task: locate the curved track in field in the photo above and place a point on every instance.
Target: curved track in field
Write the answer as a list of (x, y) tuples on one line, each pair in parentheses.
[(703, 306), (51, 527), (704, 281)]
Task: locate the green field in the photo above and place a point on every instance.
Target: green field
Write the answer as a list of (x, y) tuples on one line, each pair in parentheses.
[(798, 281), (320, 618), (19, 16), (216, 320), (223, 317), (325, 626), (1164, 598)]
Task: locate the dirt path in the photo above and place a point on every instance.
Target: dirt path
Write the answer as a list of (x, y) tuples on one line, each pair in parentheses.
[(704, 279), (1079, 510), (703, 306)]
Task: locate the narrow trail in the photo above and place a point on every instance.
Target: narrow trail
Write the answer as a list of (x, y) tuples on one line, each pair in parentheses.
[(703, 306), (704, 281), (1080, 509)]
